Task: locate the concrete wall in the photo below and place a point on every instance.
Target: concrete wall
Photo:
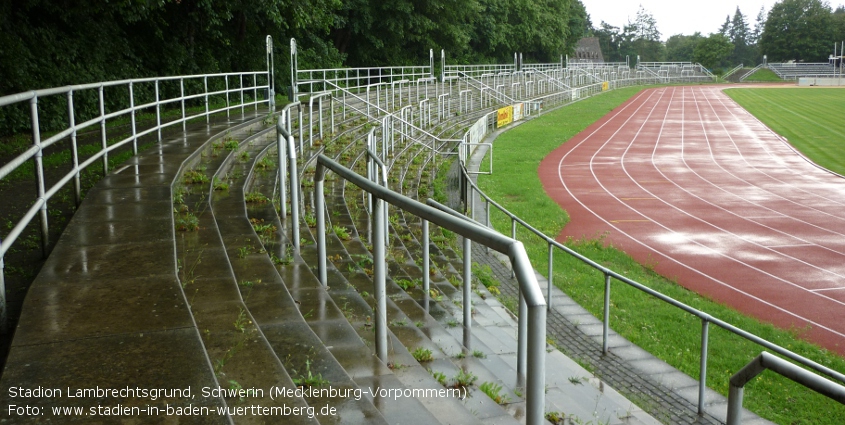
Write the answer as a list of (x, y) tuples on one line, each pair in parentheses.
[(822, 81)]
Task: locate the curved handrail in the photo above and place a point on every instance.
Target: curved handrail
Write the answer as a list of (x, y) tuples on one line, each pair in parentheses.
[(531, 357), (35, 153)]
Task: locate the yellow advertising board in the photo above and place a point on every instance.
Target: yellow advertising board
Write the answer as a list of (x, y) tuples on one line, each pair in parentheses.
[(505, 116), (605, 86)]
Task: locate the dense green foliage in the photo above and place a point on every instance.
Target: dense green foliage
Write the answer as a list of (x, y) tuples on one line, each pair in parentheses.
[(798, 30), (48, 44), (713, 51), (664, 331), (638, 38)]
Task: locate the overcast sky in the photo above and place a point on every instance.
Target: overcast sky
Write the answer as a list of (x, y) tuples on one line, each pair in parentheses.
[(677, 17)]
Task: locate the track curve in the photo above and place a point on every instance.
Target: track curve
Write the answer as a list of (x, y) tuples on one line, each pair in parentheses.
[(686, 178)]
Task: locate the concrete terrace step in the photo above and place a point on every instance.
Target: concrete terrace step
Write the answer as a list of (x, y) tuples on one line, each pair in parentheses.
[(241, 354), (400, 357), (292, 338), (109, 295), (365, 369), (410, 323)]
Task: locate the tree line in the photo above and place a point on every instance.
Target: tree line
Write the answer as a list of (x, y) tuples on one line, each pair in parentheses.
[(46, 43), (799, 30), (49, 43)]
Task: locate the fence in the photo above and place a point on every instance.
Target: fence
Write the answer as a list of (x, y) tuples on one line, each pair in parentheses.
[(113, 101)]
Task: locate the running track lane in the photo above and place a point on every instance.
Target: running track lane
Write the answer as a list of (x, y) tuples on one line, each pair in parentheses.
[(685, 177)]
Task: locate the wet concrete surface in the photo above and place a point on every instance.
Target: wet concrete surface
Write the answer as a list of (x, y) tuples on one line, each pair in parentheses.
[(107, 310)]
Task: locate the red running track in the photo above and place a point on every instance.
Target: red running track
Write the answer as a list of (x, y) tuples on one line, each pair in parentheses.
[(686, 178)]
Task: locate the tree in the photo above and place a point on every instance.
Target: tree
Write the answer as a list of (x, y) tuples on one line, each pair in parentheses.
[(798, 30), (608, 36), (754, 36), (644, 37), (725, 29), (681, 48), (739, 33), (713, 51)]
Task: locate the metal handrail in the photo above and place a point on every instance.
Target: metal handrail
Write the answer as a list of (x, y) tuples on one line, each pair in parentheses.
[(35, 152), (781, 367), (752, 71), (531, 355), (732, 71)]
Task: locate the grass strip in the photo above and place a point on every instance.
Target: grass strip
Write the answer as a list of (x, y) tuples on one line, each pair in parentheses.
[(665, 331), (810, 118)]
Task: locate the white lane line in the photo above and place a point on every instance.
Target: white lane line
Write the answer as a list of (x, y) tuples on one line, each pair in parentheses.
[(829, 289)]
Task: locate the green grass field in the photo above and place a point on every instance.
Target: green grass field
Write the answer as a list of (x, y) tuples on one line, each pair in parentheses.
[(810, 118), (662, 330)]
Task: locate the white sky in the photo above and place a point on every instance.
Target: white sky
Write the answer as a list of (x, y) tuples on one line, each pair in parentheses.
[(677, 16)]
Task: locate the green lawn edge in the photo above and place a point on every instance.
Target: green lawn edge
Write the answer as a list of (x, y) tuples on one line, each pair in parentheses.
[(665, 331)]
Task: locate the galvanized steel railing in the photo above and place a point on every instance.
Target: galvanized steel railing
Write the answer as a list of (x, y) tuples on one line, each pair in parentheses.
[(781, 367), (532, 324), (353, 78), (238, 90)]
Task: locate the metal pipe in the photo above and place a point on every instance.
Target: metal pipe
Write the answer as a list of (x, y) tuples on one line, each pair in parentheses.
[(426, 265), (39, 175), (77, 185), (702, 380), (379, 277), (467, 293), (103, 140), (551, 275), (281, 151), (294, 193), (132, 119), (784, 368), (158, 111), (320, 208), (606, 322), (182, 100)]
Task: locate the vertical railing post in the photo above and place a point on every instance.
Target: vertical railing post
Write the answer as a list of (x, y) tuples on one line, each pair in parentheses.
[(702, 381), (132, 119), (205, 88), (606, 321), (379, 277), (281, 151), (522, 338), (255, 90), (294, 194), (536, 369), (241, 89), (320, 208), (182, 101), (299, 108), (551, 275), (77, 186), (426, 265), (103, 140), (467, 292), (158, 111), (39, 175), (227, 96)]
